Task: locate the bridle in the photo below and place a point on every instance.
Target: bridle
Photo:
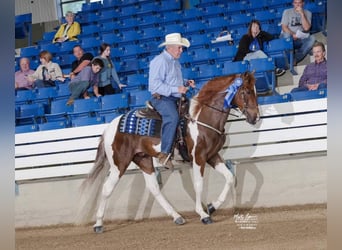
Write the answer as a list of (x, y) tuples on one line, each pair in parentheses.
[(241, 91)]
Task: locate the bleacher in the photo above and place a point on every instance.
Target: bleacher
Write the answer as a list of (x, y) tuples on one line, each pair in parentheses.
[(135, 29)]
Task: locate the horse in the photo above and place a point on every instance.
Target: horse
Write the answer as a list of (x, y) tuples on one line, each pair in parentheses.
[(205, 136)]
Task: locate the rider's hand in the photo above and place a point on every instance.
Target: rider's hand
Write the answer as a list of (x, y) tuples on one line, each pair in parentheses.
[(191, 83), (182, 89)]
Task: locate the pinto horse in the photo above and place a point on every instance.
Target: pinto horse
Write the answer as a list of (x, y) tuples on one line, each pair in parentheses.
[(208, 113)]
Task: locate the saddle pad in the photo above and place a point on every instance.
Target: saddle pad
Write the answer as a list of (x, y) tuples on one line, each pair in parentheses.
[(131, 124)]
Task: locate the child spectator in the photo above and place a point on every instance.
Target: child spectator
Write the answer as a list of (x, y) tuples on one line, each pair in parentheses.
[(89, 76)]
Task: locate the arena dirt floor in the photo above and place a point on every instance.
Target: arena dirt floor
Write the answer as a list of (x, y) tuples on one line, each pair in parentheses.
[(299, 227)]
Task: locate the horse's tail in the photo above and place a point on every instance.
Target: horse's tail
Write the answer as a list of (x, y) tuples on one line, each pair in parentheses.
[(90, 189)]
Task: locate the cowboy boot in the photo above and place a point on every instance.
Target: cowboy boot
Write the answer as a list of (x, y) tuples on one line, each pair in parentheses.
[(165, 160)]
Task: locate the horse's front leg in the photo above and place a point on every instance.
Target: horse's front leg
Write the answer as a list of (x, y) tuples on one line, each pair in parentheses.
[(217, 163), (198, 186)]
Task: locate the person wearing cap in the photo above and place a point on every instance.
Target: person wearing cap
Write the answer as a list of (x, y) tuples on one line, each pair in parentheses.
[(69, 30), (166, 85)]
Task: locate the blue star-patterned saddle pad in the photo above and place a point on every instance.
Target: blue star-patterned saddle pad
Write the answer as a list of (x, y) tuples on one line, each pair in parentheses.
[(132, 124)]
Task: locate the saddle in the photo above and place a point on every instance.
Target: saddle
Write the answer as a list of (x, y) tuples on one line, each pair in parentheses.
[(149, 112)]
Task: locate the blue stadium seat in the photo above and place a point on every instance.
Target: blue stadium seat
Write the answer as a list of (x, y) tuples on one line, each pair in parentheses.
[(110, 38), (63, 91), (265, 16), (66, 60), (91, 6), (110, 116), (136, 81), (85, 107), (170, 17), (282, 51), (110, 3), (26, 128), (209, 71), (128, 11), (305, 95), (230, 68), (264, 69), (241, 20), (53, 48), (86, 121), (151, 34), (147, 8), (173, 28), (203, 56), (59, 111), (139, 98), (52, 125), (257, 5), (89, 30), (32, 51), (236, 7), (107, 15), (217, 23), (226, 53), (68, 46), (170, 6), (196, 27), (200, 40), (24, 96), (262, 100), (191, 14), (213, 10), (90, 42), (115, 102), (130, 37), (30, 113), (130, 66)]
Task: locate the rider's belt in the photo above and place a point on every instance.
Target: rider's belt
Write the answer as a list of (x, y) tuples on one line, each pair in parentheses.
[(156, 96)]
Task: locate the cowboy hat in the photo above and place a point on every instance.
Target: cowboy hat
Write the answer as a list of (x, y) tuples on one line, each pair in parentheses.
[(175, 39)]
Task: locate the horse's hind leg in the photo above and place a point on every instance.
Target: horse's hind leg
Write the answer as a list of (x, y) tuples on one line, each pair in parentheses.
[(146, 165), (107, 190), (152, 185), (220, 167)]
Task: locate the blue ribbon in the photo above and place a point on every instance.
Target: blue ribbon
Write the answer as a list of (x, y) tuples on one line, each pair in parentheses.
[(231, 91)]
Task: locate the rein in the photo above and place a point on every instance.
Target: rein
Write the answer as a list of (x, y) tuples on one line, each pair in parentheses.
[(221, 111)]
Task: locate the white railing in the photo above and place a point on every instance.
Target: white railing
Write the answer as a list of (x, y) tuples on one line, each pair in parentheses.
[(285, 128)]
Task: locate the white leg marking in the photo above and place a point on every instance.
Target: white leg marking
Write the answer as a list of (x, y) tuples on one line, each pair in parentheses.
[(113, 177), (107, 190), (152, 185), (222, 168)]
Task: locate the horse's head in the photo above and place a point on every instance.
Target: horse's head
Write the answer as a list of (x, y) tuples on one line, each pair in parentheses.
[(246, 98)]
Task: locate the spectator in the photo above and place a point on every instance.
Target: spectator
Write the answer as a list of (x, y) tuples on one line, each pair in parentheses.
[(21, 80), (315, 74), (166, 86), (296, 23), (108, 73), (82, 60), (47, 72), (88, 77), (69, 30), (251, 44)]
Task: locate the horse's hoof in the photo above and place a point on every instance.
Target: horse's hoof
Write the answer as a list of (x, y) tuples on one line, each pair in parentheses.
[(98, 229), (180, 221), (207, 220), (210, 209)]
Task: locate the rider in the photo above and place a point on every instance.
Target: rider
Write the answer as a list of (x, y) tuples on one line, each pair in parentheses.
[(166, 85)]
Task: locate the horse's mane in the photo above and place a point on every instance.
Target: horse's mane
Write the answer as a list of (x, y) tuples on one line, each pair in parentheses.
[(211, 88)]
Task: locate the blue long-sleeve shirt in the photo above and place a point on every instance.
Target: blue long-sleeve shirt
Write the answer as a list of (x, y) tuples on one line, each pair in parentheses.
[(165, 75)]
